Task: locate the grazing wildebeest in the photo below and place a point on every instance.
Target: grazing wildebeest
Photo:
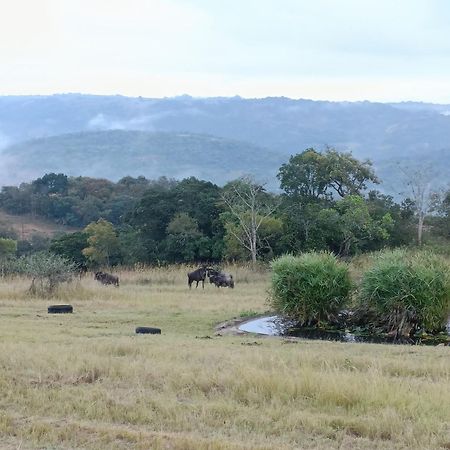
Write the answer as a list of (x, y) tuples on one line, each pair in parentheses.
[(81, 269), (106, 278), (220, 279), (197, 275)]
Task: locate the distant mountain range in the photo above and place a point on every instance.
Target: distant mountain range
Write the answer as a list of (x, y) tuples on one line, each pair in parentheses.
[(212, 138)]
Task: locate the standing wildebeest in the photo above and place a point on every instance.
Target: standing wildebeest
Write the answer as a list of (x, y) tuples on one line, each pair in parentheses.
[(197, 275), (220, 279), (106, 278), (82, 269)]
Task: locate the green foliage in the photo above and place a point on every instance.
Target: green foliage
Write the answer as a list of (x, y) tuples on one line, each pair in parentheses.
[(51, 183), (37, 242), (403, 230), (268, 239), (132, 248), (407, 290), (103, 243), (183, 225), (47, 271), (70, 246), (355, 226), (313, 175), (8, 248), (310, 288)]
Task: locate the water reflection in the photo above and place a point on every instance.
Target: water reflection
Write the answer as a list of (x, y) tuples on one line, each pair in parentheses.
[(275, 326), (270, 326)]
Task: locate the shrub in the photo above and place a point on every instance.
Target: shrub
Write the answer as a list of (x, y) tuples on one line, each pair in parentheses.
[(46, 270), (407, 291), (310, 288)]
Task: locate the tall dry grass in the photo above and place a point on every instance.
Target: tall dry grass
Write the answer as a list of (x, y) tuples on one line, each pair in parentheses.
[(87, 381)]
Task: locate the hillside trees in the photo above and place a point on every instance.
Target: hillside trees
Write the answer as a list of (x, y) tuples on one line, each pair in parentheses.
[(74, 201), (179, 221), (324, 206)]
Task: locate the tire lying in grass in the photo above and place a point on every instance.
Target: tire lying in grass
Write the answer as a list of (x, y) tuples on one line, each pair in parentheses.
[(148, 330), (60, 309)]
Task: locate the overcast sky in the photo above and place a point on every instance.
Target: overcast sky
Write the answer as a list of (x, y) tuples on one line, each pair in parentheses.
[(383, 50)]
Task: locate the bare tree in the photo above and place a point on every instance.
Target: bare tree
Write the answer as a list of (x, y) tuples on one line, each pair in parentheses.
[(249, 205), (419, 181)]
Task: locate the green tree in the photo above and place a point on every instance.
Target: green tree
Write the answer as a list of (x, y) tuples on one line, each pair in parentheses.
[(184, 240), (51, 183), (403, 229), (71, 246), (303, 176), (103, 243), (8, 248), (311, 175), (132, 248), (349, 225), (200, 200)]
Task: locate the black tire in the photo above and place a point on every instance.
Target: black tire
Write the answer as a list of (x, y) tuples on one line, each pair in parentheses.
[(60, 309), (148, 330)]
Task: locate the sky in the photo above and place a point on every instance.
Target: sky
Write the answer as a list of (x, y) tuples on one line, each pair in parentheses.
[(383, 50)]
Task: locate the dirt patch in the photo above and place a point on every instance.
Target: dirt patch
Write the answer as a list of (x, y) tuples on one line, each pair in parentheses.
[(26, 225)]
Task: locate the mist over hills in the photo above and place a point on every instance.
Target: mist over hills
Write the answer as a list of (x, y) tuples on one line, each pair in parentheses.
[(214, 138), (113, 154)]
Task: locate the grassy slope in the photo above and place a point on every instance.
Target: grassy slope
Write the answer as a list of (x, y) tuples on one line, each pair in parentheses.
[(26, 225), (87, 381)]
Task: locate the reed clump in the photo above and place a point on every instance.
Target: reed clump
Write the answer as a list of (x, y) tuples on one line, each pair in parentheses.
[(407, 291), (310, 288)]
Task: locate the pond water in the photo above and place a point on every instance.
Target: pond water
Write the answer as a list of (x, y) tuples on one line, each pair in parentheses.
[(264, 325), (274, 326)]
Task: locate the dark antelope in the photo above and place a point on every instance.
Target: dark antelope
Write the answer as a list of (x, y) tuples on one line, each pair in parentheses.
[(220, 279), (106, 278), (197, 275)]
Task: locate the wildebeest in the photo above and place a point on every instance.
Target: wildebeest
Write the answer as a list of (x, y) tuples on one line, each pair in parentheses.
[(106, 278), (197, 275), (82, 269), (220, 279)]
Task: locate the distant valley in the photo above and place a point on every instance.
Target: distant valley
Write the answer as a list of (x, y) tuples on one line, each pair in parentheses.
[(212, 138)]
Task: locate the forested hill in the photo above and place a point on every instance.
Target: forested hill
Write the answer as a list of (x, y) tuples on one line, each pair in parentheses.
[(116, 153), (388, 134)]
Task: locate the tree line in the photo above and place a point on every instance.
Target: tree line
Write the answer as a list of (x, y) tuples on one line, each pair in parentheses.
[(327, 201)]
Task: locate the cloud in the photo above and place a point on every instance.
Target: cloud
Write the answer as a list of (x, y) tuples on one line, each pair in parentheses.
[(5, 141), (202, 47)]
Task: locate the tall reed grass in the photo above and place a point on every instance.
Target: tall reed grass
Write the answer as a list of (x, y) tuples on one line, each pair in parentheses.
[(310, 288), (408, 290)]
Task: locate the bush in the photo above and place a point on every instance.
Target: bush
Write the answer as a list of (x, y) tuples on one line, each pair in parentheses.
[(47, 271), (310, 288), (407, 291)]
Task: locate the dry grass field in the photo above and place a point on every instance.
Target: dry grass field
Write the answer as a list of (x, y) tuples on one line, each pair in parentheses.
[(87, 381)]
